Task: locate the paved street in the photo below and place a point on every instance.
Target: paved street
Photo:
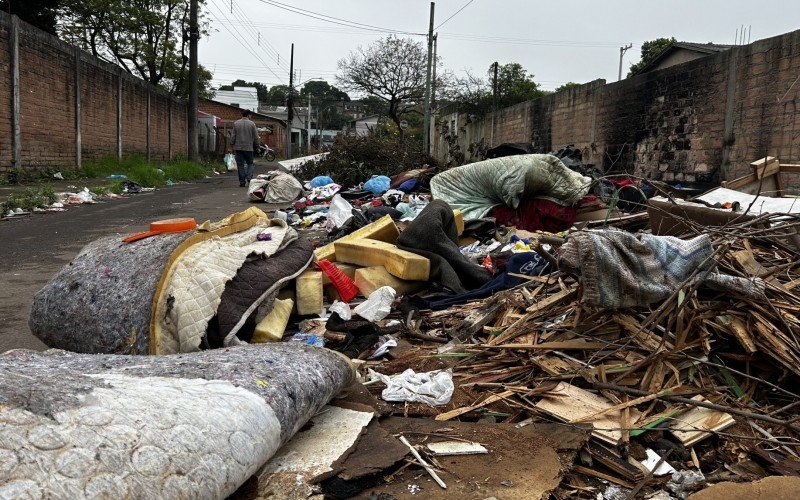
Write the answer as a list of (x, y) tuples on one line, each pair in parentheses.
[(36, 247)]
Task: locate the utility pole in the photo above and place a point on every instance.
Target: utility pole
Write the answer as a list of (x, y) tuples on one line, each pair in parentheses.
[(494, 102), (622, 51), (433, 78), (427, 120), (308, 127), (194, 34), (290, 107)]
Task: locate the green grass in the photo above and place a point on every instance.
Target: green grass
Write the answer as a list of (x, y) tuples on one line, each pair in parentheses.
[(138, 170), (30, 198)]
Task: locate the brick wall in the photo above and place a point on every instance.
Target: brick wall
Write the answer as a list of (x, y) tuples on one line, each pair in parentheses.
[(47, 80), (702, 120)]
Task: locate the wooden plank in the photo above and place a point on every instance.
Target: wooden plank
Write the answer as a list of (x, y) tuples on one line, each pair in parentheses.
[(567, 402), (308, 292), (601, 475), (369, 279), (740, 182), (368, 253), (699, 423), (738, 329), (765, 167), (466, 409), (459, 217), (790, 168), (383, 229), (546, 303), (567, 345)]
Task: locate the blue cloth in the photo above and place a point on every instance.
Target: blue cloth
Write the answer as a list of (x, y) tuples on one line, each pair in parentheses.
[(527, 263), (321, 180), (378, 184), (408, 186), (244, 165)]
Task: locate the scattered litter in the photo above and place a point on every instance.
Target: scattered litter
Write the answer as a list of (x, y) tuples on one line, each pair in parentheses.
[(433, 388), (683, 483), (423, 463), (456, 448), (59, 176), (386, 344), (378, 305), (652, 460), (342, 309)]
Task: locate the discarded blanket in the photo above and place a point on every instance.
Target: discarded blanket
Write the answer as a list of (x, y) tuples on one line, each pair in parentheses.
[(190, 426), (144, 297), (527, 263), (101, 301), (194, 284), (433, 235), (476, 188), (257, 279), (281, 188), (536, 215), (620, 269)]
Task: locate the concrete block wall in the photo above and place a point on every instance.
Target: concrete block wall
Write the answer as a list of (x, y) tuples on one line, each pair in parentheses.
[(47, 106), (702, 120)]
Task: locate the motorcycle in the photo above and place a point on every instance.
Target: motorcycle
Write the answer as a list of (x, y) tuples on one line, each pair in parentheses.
[(265, 152)]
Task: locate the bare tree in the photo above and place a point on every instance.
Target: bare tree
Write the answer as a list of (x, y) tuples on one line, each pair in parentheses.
[(392, 69)]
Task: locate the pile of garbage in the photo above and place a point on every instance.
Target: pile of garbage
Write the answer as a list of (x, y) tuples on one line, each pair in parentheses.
[(519, 327)]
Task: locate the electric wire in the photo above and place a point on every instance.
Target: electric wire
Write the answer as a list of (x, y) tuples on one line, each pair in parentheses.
[(454, 14)]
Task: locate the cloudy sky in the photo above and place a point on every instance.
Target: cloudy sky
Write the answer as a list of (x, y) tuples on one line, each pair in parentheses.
[(556, 41)]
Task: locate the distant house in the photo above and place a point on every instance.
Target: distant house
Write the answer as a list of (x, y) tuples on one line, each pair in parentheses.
[(241, 97), (271, 130), (362, 126), (681, 52), (352, 109), (299, 125)]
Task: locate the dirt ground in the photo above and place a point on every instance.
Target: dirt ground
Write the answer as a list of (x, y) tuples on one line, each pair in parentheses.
[(34, 248)]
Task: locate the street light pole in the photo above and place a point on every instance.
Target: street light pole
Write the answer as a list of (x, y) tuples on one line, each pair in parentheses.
[(194, 34)]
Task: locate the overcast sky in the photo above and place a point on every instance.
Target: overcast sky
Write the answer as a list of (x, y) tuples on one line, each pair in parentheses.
[(556, 41)]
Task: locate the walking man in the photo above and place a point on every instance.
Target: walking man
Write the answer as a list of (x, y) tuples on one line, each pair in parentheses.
[(245, 138)]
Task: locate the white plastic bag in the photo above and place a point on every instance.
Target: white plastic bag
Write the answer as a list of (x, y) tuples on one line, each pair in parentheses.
[(339, 212), (378, 305), (433, 388), (342, 309), (230, 162)]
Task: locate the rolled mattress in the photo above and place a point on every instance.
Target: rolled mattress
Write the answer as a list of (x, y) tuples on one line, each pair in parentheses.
[(176, 426)]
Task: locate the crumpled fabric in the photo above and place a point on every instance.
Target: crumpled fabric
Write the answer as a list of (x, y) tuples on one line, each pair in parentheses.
[(619, 269), (527, 263), (433, 234), (433, 388), (477, 187), (536, 215)]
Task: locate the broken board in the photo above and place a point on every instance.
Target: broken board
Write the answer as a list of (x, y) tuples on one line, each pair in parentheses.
[(369, 279), (383, 229), (369, 253), (569, 403), (698, 423)]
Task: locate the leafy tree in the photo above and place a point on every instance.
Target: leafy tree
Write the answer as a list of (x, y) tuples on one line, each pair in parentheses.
[(392, 69), (276, 95), (39, 13), (474, 94), (147, 38), (261, 89), (373, 105), (514, 85), (567, 86), (322, 90), (650, 50)]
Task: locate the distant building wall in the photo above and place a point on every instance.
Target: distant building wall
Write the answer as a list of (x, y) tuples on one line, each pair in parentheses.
[(47, 106), (703, 120)]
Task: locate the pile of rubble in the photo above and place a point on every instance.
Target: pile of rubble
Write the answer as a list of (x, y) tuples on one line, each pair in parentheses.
[(544, 332)]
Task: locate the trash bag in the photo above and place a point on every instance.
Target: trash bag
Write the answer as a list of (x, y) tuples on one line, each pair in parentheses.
[(230, 162), (321, 180), (378, 184)]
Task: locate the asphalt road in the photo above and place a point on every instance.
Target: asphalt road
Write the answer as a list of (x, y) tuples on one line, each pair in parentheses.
[(34, 248)]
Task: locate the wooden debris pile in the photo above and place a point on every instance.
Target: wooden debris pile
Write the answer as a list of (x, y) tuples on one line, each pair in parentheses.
[(708, 380)]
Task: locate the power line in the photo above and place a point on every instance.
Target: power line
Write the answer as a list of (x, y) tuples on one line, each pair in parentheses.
[(336, 20), (454, 14), (275, 54), (244, 43)]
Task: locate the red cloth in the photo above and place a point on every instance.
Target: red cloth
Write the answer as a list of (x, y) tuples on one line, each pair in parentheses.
[(536, 215)]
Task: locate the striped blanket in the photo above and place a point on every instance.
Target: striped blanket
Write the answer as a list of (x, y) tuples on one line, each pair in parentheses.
[(621, 269)]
